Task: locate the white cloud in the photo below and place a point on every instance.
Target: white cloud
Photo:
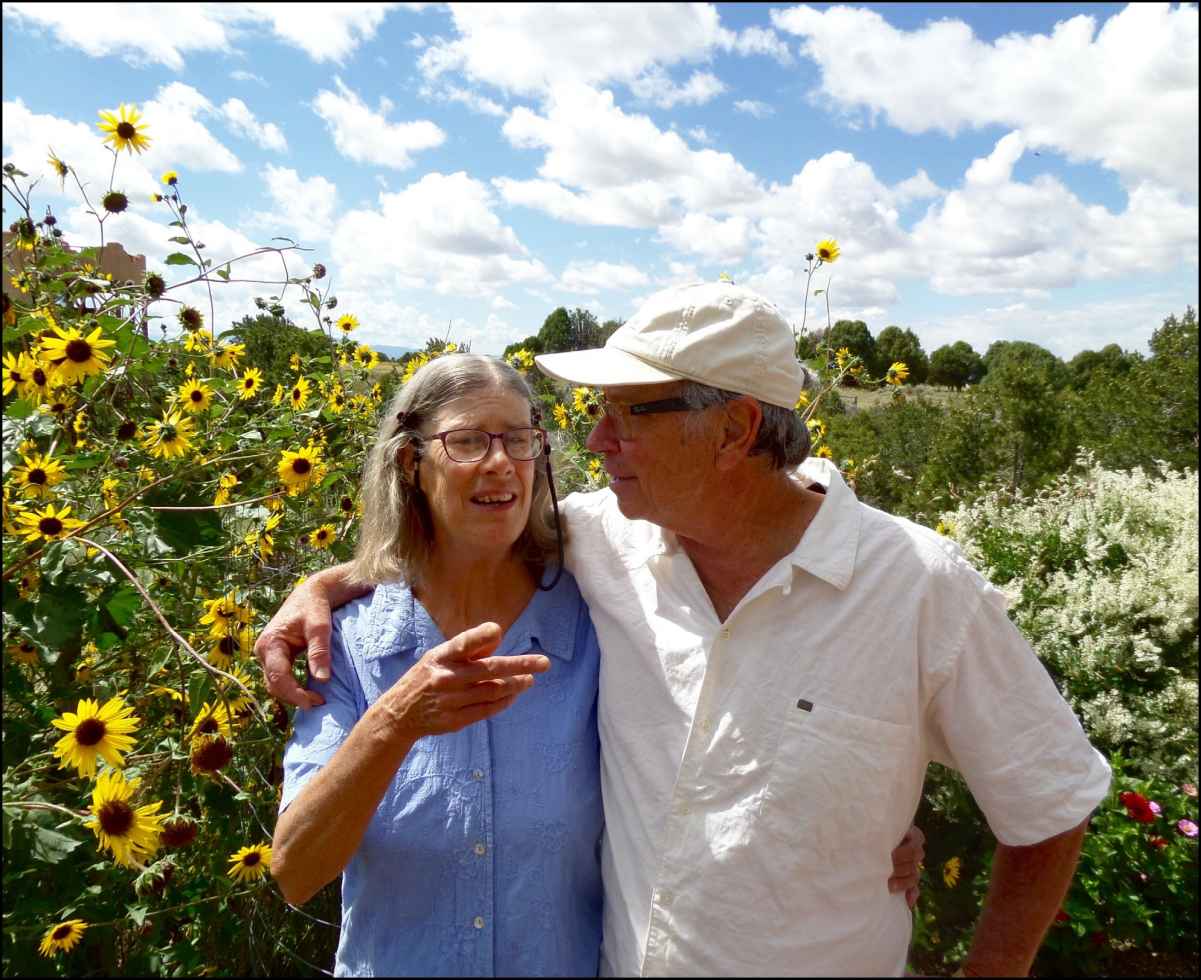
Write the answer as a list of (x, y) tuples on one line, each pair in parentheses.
[(758, 40), (714, 239), (500, 303), (238, 75), (1081, 91), (367, 137), (163, 33), (473, 100), (701, 135), (304, 207), (919, 187), (760, 110), (526, 48), (605, 166), (438, 233), (242, 121), (595, 277), (656, 86)]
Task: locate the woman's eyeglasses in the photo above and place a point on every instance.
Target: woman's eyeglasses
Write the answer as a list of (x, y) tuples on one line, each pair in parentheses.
[(472, 445)]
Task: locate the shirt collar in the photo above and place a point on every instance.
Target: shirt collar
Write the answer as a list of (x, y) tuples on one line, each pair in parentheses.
[(400, 625), (830, 543)]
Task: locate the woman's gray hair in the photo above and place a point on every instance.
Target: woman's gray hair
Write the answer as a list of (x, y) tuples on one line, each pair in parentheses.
[(396, 535), (782, 434)]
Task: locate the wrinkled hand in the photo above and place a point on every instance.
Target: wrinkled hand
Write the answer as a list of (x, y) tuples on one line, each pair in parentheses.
[(457, 684), (906, 864), (302, 621)]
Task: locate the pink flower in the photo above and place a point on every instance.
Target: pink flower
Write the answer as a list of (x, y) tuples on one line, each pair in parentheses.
[(1187, 827), (1188, 789), (1155, 808)]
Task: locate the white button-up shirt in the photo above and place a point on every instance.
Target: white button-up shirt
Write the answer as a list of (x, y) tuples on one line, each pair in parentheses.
[(758, 772)]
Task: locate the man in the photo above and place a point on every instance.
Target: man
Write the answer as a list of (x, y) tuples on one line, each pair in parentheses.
[(780, 663)]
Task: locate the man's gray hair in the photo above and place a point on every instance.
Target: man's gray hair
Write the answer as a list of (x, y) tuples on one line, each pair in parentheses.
[(396, 535), (782, 435)]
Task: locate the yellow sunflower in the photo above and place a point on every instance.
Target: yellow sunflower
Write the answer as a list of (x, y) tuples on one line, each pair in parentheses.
[(950, 872), (125, 129), (348, 322), (131, 833), (211, 719), (94, 730), (62, 937), (299, 395), (824, 452), (250, 863), (74, 356), (60, 169), (38, 475), (170, 437), (46, 524), (238, 701), (323, 537), (39, 385), (195, 396), (235, 643), (251, 381), (827, 250), (23, 651), (224, 615), (170, 178), (301, 469), (226, 355), (16, 371), (365, 357), (210, 753), (561, 417), (897, 373)]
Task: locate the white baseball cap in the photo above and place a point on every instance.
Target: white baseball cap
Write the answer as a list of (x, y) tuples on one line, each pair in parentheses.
[(717, 333)]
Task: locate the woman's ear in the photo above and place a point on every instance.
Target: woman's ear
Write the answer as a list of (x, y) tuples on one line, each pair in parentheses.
[(406, 459)]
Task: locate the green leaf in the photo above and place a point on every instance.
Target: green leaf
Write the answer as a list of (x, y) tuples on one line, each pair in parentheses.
[(180, 240), (178, 258), (124, 605), (199, 685), (19, 409), (224, 273), (137, 913), (59, 614), (183, 530), (51, 846), (176, 224), (85, 461)]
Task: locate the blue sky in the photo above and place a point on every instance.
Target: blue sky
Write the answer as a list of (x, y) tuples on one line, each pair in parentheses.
[(990, 171)]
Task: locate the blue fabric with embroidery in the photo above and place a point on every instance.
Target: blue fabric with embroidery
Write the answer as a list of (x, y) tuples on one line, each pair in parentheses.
[(483, 858)]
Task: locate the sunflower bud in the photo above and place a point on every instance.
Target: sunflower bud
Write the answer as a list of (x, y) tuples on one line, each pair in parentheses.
[(318, 271), (115, 202), (178, 831), (154, 878), (331, 303), (155, 285)]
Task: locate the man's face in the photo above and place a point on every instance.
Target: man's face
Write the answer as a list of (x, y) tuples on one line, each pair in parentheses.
[(656, 467)]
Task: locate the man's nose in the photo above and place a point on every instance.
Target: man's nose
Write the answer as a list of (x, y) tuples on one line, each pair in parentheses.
[(603, 437)]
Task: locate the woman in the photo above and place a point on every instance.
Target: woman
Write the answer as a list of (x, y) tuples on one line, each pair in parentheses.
[(474, 852), (466, 849)]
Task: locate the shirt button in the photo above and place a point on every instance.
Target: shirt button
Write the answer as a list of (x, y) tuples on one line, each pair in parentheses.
[(478, 922), (480, 849), (665, 897), (477, 774), (706, 726), (725, 633)]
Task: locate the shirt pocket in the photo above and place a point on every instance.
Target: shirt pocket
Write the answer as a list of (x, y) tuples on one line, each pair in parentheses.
[(833, 784)]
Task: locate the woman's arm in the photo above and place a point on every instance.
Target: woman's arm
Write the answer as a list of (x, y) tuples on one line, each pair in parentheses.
[(452, 686)]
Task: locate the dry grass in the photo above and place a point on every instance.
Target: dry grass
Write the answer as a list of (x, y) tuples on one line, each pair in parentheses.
[(862, 399)]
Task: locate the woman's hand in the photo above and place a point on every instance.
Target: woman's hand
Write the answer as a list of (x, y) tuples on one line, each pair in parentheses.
[(457, 684), (907, 864)]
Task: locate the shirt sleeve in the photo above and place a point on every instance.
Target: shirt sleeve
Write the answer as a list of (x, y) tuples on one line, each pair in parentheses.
[(317, 733), (1000, 721)]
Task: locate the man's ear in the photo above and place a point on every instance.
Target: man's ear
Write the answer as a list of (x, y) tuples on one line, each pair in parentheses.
[(740, 428)]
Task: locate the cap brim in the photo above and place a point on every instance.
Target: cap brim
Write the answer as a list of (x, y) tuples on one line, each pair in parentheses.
[(601, 367)]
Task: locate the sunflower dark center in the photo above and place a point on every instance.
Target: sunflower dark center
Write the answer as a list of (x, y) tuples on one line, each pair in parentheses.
[(50, 526), (346, 503), (62, 932), (39, 377), (248, 382), (251, 859), (168, 434), (212, 755), (90, 731), (26, 646), (116, 817), (37, 476), (296, 393), (301, 466), (228, 646), (197, 395), (126, 131), (322, 535), (209, 726), (16, 376), (79, 351)]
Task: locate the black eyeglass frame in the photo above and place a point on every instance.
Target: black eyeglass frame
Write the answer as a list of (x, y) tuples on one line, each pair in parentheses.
[(492, 436), (657, 407)]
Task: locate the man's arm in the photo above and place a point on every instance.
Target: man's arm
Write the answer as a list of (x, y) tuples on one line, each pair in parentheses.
[(1027, 887), (304, 621)]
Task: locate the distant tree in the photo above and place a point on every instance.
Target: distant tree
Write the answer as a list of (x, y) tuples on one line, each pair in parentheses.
[(1022, 356), (1111, 359), (585, 330), (555, 334), (608, 328), (272, 340), (533, 344), (956, 365), (855, 336), (895, 344)]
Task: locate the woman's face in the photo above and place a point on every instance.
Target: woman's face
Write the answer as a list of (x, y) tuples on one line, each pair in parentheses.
[(481, 506)]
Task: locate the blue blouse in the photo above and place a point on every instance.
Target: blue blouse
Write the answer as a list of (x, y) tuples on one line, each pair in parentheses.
[(483, 858)]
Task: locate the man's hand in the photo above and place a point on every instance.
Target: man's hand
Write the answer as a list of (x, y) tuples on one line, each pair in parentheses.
[(906, 864), (302, 621), (457, 684)]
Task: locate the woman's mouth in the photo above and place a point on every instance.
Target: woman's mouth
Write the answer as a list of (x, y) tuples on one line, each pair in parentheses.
[(495, 501)]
